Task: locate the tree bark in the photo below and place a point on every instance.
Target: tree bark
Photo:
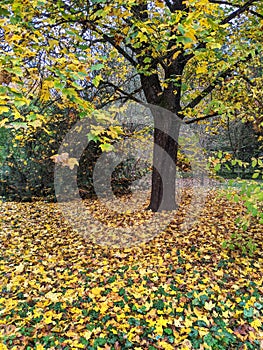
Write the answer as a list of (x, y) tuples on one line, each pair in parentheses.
[(166, 132), (165, 104)]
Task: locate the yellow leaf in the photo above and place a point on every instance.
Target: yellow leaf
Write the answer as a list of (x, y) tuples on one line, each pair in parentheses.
[(166, 346), (87, 334), (96, 291), (188, 323), (40, 347), (225, 314), (48, 320), (37, 312), (219, 273), (3, 347), (3, 122), (72, 162), (106, 147), (252, 336), (35, 124), (179, 309), (177, 323), (70, 334), (159, 330), (176, 54), (256, 323), (186, 345), (214, 45), (19, 137), (209, 306), (78, 345), (53, 296), (161, 321), (142, 37), (203, 331), (3, 109), (201, 69), (20, 268), (188, 266)]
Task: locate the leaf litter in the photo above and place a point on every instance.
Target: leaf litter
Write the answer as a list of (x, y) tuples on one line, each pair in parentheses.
[(180, 290)]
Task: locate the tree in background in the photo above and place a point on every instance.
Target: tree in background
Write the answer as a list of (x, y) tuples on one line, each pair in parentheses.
[(195, 59)]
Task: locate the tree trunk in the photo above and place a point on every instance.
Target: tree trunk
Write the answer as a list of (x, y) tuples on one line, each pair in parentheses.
[(166, 132), (164, 105)]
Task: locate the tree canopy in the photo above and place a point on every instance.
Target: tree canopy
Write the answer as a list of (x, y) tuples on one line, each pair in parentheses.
[(176, 52)]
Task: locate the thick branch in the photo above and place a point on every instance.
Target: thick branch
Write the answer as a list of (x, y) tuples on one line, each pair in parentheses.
[(208, 116), (209, 89), (250, 82), (111, 41), (175, 5), (238, 12), (227, 3)]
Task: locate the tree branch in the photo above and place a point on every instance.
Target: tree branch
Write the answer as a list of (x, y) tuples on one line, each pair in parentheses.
[(120, 49), (227, 3), (238, 12), (224, 21), (209, 89), (175, 5), (127, 94), (208, 116), (216, 82), (250, 82)]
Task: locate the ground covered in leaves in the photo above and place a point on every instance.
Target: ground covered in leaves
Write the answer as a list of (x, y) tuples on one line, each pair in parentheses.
[(181, 290)]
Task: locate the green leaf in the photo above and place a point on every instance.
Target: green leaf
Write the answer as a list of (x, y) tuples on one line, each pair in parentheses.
[(248, 312), (121, 291), (92, 137), (19, 103), (58, 85), (181, 29), (184, 39), (236, 198), (96, 81), (16, 70), (147, 60), (19, 125), (224, 245), (218, 167), (97, 66), (106, 147), (168, 331)]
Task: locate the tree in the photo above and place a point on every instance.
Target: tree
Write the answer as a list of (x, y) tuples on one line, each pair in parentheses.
[(183, 55)]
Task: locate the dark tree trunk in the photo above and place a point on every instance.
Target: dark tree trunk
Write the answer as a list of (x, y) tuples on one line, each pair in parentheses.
[(166, 131)]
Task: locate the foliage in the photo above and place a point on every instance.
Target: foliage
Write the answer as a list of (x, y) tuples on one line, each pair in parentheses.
[(59, 51), (234, 149), (249, 193), (27, 168)]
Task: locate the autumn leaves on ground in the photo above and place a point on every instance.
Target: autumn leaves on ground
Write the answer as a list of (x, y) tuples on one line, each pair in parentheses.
[(181, 290)]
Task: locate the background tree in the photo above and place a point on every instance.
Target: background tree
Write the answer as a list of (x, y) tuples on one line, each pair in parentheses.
[(183, 55)]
